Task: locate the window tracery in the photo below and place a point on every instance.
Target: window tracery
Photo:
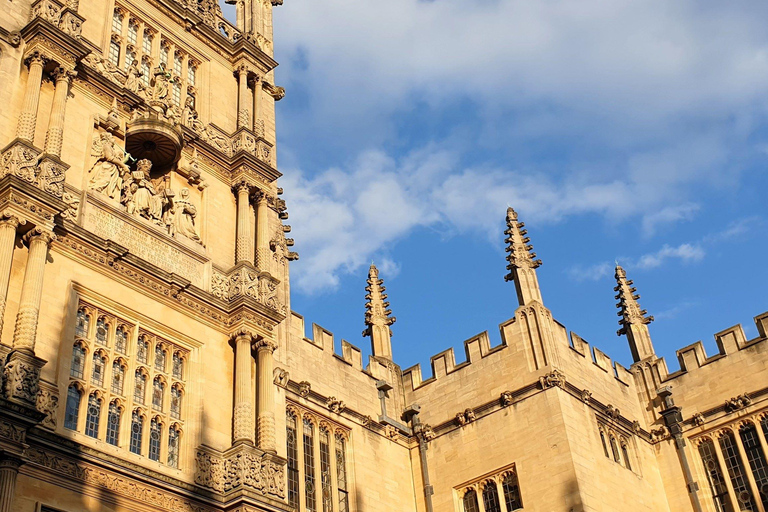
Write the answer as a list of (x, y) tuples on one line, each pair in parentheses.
[(491, 497), (121, 346), (511, 491), (491, 488), (616, 445)]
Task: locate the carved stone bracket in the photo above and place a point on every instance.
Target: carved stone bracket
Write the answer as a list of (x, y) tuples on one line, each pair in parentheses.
[(22, 378), (552, 379), (246, 281), (737, 403), (241, 468), (63, 17), (24, 161)]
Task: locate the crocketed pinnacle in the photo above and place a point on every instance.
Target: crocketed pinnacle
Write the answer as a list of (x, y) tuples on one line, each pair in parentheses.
[(378, 316), (522, 261), (634, 320)]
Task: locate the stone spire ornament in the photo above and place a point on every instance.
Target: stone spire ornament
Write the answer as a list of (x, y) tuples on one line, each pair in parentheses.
[(522, 261), (378, 316), (634, 320)]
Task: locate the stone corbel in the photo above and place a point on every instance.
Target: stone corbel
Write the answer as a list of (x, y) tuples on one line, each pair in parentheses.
[(276, 92)]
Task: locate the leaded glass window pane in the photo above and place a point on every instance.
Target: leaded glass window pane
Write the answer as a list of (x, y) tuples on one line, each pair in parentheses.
[(178, 366), (140, 387), (78, 361), (177, 61), (137, 428), (173, 447), (605, 446), (736, 472), (118, 378), (102, 327), (293, 460), (164, 51), (92, 417), (130, 56), (176, 402), (145, 73), (341, 473), (154, 440), (142, 347), (83, 323), (158, 389), (177, 93), (191, 75), (511, 491), (114, 53), (121, 339), (625, 455), (756, 459), (491, 497), (97, 373), (615, 450), (133, 32), (470, 501), (309, 466), (715, 476), (325, 470), (73, 408), (113, 424), (117, 23), (159, 358), (147, 44)]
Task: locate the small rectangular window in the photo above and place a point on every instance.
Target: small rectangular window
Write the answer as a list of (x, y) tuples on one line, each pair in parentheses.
[(117, 23), (191, 75), (114, 53)]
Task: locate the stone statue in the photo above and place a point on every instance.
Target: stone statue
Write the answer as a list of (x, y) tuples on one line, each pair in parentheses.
[(184, 213), (146, 200), (110, 168), (161, 84), (132, 83)]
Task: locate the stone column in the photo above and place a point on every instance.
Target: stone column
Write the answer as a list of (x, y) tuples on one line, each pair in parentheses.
[(39, 240), (8, 225), (266, 403), (55, 134), (243, 112), (9, 470), (257, 93), (243, 424), (244, 224), (28, 117), (262, 232)]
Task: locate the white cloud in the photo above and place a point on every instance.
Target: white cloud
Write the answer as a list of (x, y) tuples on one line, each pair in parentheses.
[(684, 252), (591, 272), (669, 215)]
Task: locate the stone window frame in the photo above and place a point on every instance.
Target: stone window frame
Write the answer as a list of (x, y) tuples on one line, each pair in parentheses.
[(339, 436), (129, 362), (479, 484), (752, 488), (618, 446)]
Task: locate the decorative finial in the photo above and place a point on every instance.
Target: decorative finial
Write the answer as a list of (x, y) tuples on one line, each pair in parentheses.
[(634, 320), (522, 260), (378, 316)]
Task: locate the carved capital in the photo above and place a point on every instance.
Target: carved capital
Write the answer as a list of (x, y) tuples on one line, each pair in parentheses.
[(242, 335), (60, 74), (10, 220), (36, 58), (39, 234), (264, 344)]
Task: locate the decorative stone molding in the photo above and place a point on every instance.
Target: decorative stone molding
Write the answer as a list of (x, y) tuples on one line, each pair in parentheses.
[(659, 434), (335, 405), (304, 389), (737, 403), (22, 377), (242, 467), (586, 396), (20, 159), (48, 404), (463, 418), (612, 412), (12, 432), (506, 399), (246, 281), (281, 377), (552, 379), (698, 419), (424, 431)]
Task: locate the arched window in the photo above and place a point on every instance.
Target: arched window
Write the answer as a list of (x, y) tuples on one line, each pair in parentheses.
[(293, 460), (158, 390), (615, 450), (113, 424), (173, 446), (93, 415), (470, 501), (164, 53), (118, 377), (140, 387), (176, 402), (133, 32), (764, 424), (341, 473), (177, 62), (114, 53), (736, 471), (77, 367), (309, 466), (117, 22), (146, 72), (191, 75), (325, 469), (83, 323), (97, 372), (177, 93), (491, 497), (625, 454), (159, 358), (605, 446), (154, 440), (73, 407), (102, 328), (511, 491), (178, 366), (130, 57), (121, 339), (137, 429), (715, 477), (142, 349), (147, 43), (756, 460)]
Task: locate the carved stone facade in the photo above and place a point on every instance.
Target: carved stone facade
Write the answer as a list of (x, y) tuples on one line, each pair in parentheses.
[(150, 360)]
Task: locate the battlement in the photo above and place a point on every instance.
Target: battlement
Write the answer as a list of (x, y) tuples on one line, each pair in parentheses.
[(599, 359), (475, 349), (323, 339), (729, 341)]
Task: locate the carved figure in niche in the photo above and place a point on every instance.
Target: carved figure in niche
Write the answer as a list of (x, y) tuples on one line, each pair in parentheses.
[(111, 166), (160, 87), (132, 83), (147, 200), (183, 216)]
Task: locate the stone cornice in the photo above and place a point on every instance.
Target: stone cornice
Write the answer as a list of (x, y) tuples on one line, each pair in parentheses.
[(41, 35)]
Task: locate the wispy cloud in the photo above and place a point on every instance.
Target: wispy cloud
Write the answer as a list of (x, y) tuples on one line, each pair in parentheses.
[(669, 215), (685, 252)]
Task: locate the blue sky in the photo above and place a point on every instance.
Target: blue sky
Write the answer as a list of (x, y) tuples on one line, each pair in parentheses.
[(629, 130)]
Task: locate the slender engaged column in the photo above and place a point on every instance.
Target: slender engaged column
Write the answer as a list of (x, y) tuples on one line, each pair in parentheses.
[(266, 403), (257, 93), (244, 228), (262, 232), (28, 117), (39, 240), (55, 134), (243, 113), (8, 225), (243, 389), (9, 470)]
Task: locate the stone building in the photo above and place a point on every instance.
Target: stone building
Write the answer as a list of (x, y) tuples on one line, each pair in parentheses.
[(152, 361)]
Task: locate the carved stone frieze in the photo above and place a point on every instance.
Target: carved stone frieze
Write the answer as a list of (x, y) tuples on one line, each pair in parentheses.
[(48, 404), (244, 468), (20, 159), (12, 432), (245, 281), (22, 377)]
